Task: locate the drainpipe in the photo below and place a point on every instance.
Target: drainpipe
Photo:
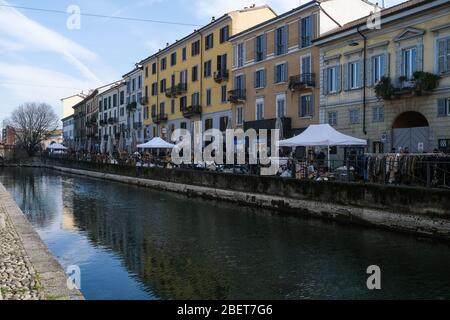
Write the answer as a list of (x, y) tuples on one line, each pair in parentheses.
[(364, 80)]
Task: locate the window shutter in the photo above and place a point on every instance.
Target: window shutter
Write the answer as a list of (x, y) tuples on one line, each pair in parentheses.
[(398, 65), (300, 106), (442, 106), (361, 74), (313, 107), (441, 56), (300, 42), (264, 78), (387, 64), (324, 86), (286, 38), (244, 84), (275, 74), (338, 78), (285, 78), (419, 57), (346, 77), (314, 27), (370, 71), (447, 62), (255, 52), (255, 79)]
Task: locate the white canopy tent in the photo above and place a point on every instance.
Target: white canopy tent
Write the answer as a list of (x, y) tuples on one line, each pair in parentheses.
[(322, 135), (156, 143), (56, 147)]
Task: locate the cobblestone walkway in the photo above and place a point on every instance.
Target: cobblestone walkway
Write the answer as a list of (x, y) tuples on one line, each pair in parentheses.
[(18, 279)]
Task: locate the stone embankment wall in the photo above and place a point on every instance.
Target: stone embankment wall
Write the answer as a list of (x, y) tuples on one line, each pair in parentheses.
[(417, 210), (28, 271)]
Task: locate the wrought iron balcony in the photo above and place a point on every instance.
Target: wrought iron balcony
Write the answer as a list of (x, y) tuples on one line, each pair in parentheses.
[(159, 118), (103, 123), (237, 95), (302, 81), (112, 120), (171, 92), (144, 101), (191, 111), (221, 75), (181, 88), (137, 125)]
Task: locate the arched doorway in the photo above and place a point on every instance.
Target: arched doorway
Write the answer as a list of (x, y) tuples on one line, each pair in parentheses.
[(411, 130)]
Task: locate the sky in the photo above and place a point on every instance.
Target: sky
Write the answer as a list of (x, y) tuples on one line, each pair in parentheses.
[(44, 60)]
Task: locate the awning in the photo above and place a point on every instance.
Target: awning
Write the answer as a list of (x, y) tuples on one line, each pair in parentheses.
[(322, 135)]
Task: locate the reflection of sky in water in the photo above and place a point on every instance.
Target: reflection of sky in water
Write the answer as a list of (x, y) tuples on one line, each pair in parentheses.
[(134, 243)]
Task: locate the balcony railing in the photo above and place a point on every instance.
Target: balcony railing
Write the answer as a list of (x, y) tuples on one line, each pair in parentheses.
[(237, 95), (302, 81), (144, 101), (171, 92), (162, 117), (221, 75), (137, 125), (181, 88), (103, 123), (112, 120), (189, 112)]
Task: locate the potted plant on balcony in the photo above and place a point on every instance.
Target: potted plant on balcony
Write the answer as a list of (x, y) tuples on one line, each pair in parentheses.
[(384, 89), (132, 106), (425, 82)]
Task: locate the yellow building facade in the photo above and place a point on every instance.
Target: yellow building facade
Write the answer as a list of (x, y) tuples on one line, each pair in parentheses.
[(189, 80), (412, 40)]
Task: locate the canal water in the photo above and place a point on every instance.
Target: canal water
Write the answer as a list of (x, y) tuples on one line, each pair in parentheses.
[(134, 243)]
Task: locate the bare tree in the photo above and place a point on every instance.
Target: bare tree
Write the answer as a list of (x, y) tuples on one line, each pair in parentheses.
[(33, 123)]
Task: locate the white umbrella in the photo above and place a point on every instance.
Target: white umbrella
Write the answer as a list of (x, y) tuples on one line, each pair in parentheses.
[(156, 143), (133, 140), (120, 147), (322, 135), (109, 148)]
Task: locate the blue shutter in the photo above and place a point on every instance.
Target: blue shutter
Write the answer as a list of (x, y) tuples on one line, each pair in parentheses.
[(286, 38), (264, 45), (313, 107)]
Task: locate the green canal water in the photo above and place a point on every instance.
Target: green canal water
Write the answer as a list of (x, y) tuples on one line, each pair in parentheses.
[(135, 243)]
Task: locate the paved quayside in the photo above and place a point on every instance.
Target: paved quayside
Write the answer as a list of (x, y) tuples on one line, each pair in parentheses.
[(28, 271)]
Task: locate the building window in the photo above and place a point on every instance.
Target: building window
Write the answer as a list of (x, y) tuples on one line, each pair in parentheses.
[(154, 110), (353, 116), (306, 107), (146, 72), (208, 124), (240, 116), (306, 35), (195, 49), (281, 73), (281, 40), (224, 34), (122, 97), (259, 109), (223, 96), (239, 55), (408, 63), (208, 97), (183, 125), (223, 123), (184, 54), (173, 59), (133, 85), (378, 68), (378, 114), (281, 105), (154, 88), (208, 69), (115, 100), (194, 73), (162, 108), (443, 55), (444, 107), (353, 75), (332, 79), (260, 47), (260, 78), (209, 41), (163, 64), (154, 68), (139, 82), (162, 86), (195, 99), (332, 118), (183, 103)]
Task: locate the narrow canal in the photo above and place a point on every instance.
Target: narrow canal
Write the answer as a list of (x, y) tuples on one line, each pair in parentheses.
[(135, 243)]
